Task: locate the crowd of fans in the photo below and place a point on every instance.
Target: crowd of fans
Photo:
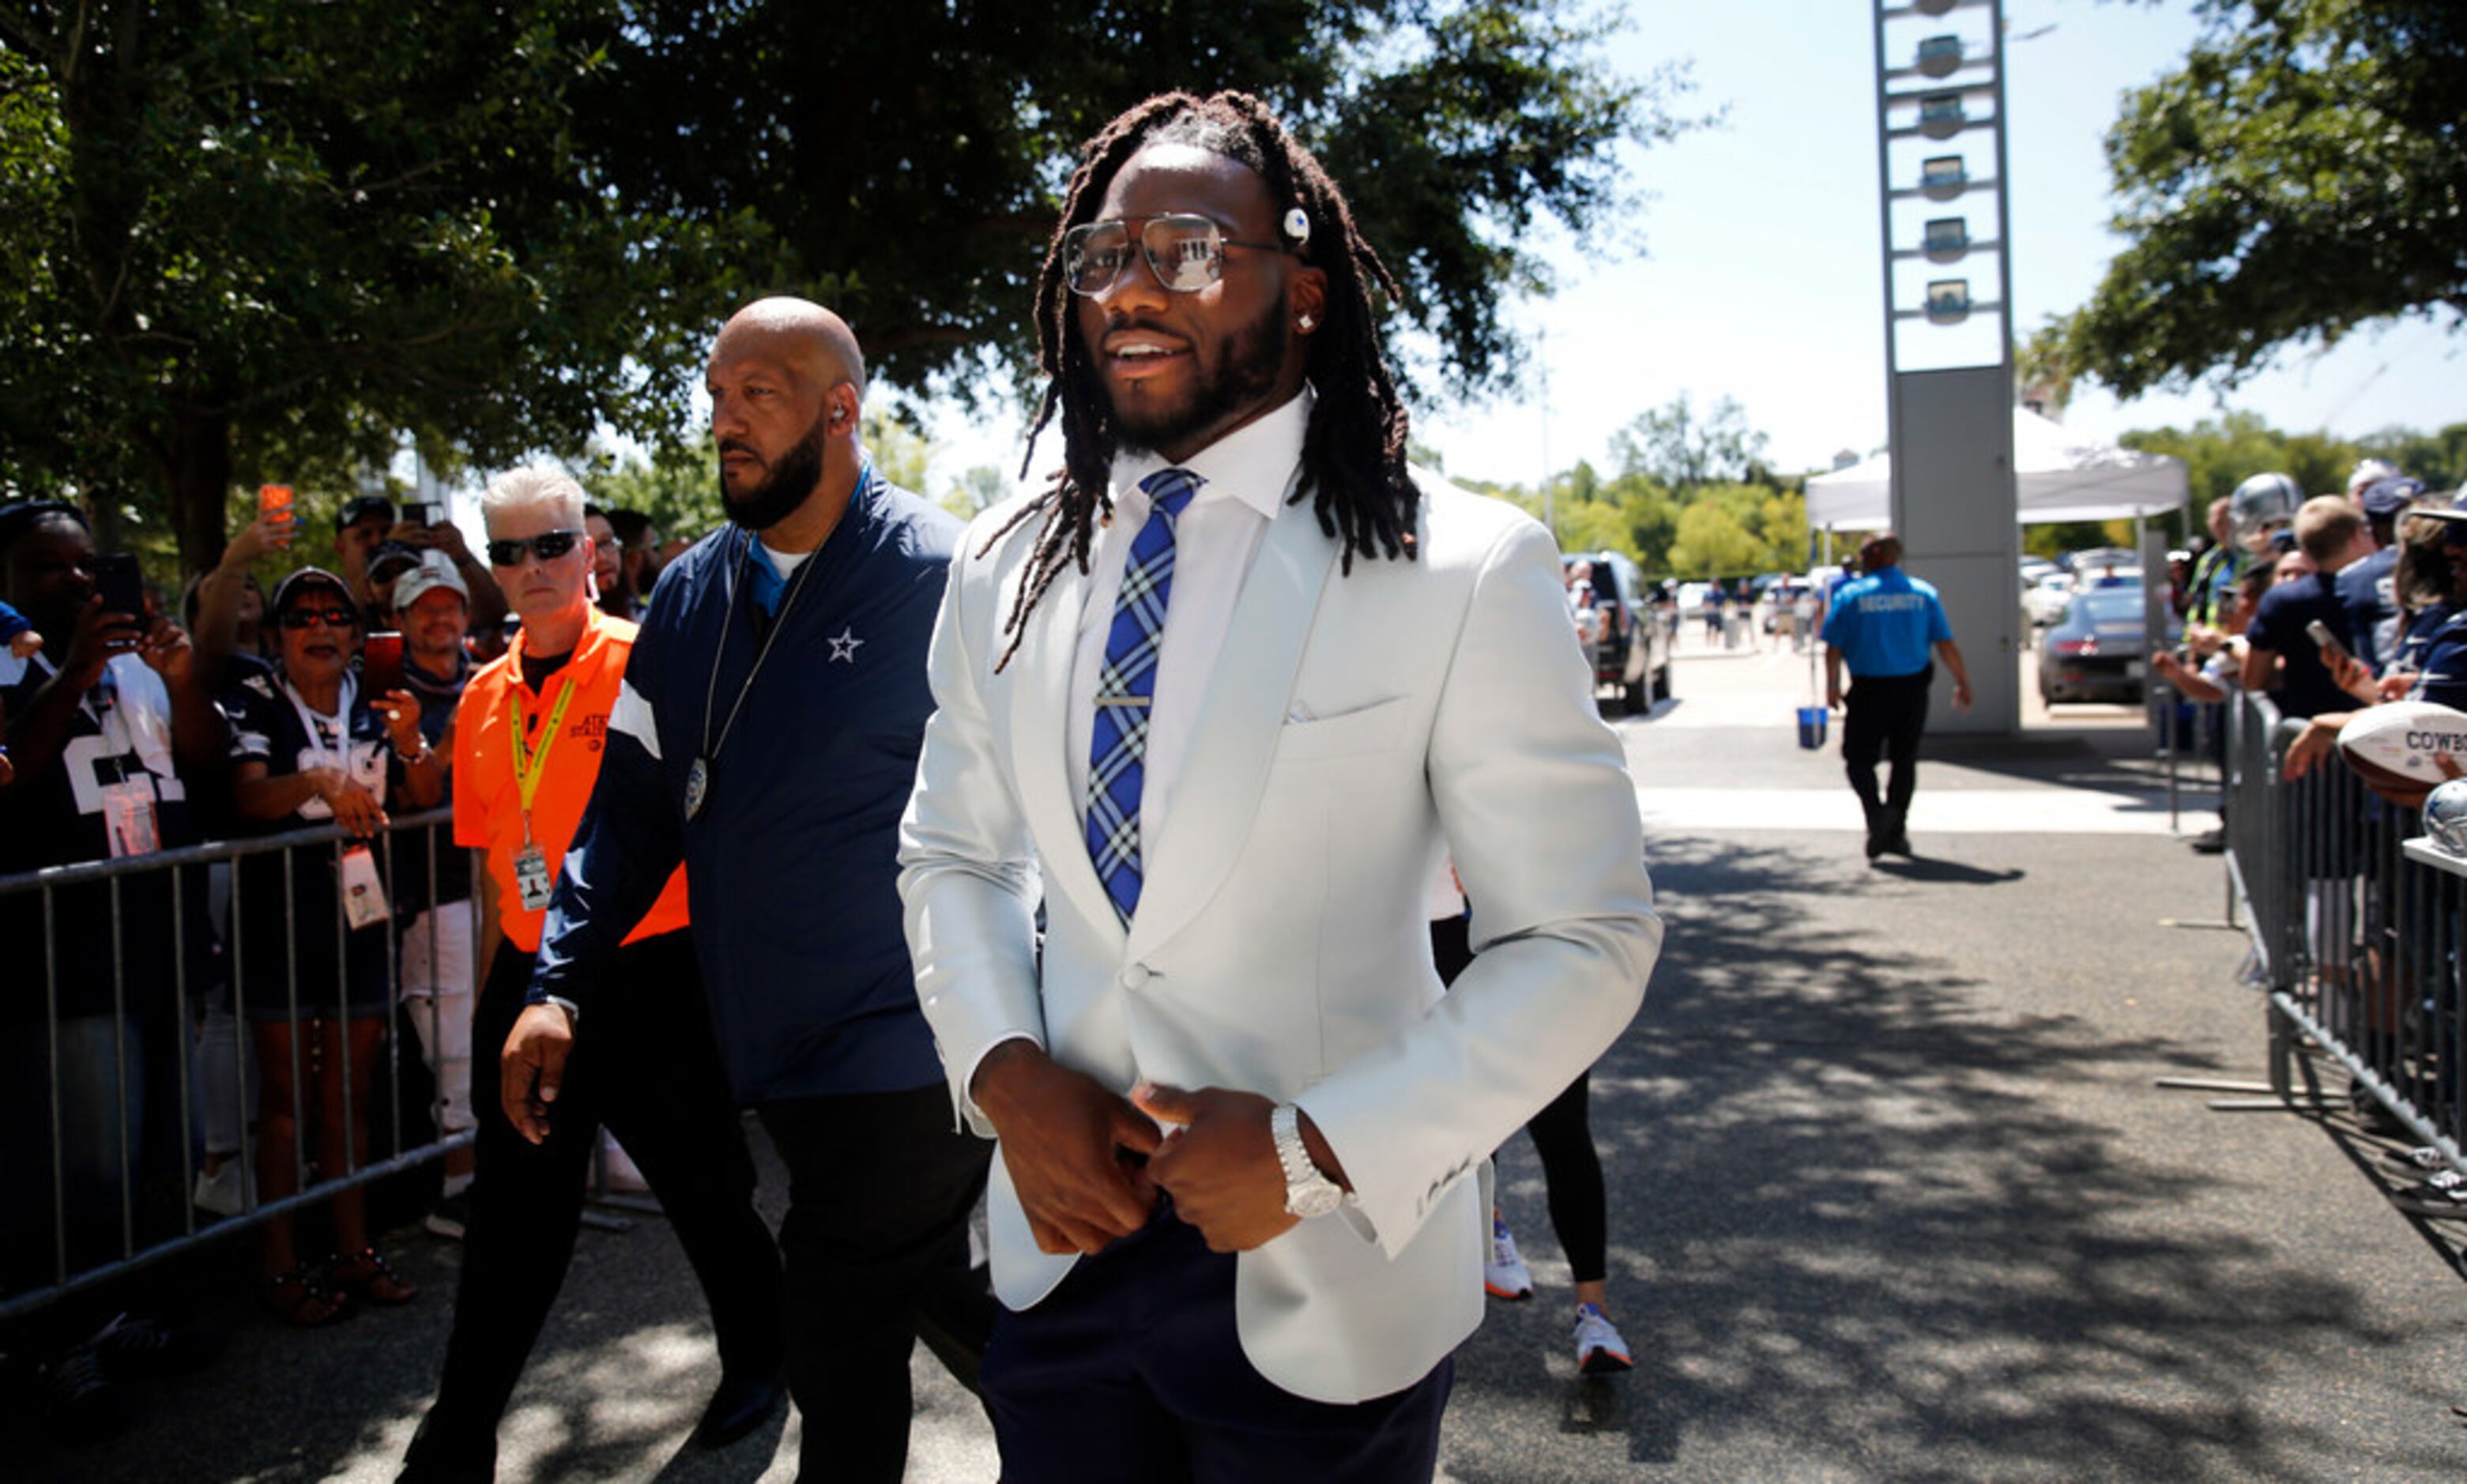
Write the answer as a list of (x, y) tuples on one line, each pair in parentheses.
[(2329, 606), (2326, 605), (258, 991)]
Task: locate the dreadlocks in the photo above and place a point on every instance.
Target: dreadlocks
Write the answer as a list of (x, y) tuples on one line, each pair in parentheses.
[(1353, 452)]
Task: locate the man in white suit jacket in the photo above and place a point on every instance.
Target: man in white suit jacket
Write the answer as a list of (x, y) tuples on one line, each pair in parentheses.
[(1245, 1049)]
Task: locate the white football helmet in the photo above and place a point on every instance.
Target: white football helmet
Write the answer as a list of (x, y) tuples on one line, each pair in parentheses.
[(2445, 816), (2370, 472), (2261, 505)]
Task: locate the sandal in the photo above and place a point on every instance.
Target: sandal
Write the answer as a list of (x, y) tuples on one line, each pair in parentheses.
[(367, 1274), (300, 1301)]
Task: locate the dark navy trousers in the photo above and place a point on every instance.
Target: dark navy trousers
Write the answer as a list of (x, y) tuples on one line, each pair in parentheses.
[(1131, 1371)]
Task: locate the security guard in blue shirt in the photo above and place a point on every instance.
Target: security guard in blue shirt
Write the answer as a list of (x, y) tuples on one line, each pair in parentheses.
[(1884, 626)]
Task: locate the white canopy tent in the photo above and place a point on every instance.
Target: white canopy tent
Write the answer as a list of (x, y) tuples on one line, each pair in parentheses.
[(2059, 476)]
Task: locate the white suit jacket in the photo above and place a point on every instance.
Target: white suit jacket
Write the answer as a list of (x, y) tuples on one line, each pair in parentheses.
[(1357, 730)]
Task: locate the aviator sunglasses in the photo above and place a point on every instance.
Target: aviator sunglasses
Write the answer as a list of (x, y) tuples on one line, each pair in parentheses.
[(1186, 253), (548, 544)]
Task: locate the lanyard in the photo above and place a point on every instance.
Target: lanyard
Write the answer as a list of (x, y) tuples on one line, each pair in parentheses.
[(711, 745), (316, 739), (529, 767)]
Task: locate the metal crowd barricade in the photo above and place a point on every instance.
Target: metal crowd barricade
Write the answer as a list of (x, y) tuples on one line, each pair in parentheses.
[(2356, 929), (145, 1233)]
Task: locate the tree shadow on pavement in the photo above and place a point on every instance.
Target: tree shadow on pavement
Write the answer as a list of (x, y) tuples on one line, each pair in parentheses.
[(621, 1373), (1873, 1218)]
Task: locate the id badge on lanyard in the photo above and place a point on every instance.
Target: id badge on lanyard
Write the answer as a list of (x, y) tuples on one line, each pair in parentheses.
[(531, 880), (129, 825), (364, 898), (129, 816), (532, 883)]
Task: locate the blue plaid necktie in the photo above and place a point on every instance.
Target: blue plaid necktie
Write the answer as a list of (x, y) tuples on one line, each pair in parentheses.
[(1118, 743)]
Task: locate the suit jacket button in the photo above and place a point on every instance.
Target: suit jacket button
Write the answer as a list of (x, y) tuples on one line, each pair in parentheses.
[(1136, 977)]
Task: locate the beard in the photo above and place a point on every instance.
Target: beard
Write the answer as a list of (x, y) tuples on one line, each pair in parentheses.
[(784, 488), (1243, 376)]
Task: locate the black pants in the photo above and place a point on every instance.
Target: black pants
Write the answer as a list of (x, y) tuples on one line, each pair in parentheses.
[(648, 1066), (1563, 1136), (1885, 713), (879, 1190), (1132, 1372)]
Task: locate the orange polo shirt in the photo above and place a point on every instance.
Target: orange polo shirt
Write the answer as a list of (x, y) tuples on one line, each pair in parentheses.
[(488, 798)]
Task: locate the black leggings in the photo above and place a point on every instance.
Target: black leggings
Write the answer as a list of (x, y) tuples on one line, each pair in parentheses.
[(1563, 1136)]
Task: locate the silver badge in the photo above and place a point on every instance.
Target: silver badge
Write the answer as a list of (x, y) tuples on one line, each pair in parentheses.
[(697, 787)]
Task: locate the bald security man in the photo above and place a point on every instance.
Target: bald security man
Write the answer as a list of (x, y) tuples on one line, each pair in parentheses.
[(766, 737)]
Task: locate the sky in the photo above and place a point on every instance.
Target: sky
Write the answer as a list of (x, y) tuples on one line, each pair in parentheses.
[(1753, 271)]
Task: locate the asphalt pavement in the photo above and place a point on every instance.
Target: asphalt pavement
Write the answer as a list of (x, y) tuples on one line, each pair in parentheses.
[(1895, 1190)]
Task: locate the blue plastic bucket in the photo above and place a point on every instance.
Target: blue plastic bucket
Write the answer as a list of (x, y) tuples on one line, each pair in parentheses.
[(1811, 725)]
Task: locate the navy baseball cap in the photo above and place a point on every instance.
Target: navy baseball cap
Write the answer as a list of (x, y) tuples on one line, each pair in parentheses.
[(287, 590), (360, 506), (2383, 499)]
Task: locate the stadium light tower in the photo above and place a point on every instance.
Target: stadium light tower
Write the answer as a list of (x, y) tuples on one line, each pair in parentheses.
[(1940, 152)]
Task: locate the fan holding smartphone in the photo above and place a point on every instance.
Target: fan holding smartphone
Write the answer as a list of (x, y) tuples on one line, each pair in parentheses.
[(2351, 674)]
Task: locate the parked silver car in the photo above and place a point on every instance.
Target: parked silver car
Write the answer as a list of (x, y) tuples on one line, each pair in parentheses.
[(2096, 652)]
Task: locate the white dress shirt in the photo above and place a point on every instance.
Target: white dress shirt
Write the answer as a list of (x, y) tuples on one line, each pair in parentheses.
[(1244, 475)]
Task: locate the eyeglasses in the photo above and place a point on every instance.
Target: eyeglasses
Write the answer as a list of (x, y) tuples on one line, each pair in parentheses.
[(310, 617), (1186, 253), (548, 544)]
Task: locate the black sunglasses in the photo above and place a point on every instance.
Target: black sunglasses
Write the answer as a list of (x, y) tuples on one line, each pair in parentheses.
[(548, 544), (310, 617)]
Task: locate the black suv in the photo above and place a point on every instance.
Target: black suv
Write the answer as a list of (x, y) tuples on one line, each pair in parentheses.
[(1628, 644)]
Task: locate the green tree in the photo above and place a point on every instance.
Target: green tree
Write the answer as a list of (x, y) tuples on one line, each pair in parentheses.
[(1594, 526), (676, 484), (2439, 459), (912, 156), (2221, 453), (1711, 542), (2299, 176), (1651, 516), (245, 235), (255, 228), (1681, 449)]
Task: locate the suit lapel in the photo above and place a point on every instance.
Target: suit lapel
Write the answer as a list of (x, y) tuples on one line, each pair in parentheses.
[(1040, 733), (1240, 720)]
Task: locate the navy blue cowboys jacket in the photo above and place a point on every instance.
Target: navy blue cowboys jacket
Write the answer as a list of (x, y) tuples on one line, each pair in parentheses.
[(791, 865)]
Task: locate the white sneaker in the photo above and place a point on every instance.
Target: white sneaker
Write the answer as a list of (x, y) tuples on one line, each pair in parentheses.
[(1505, 1275), (226, 1192), (1599, 1349)]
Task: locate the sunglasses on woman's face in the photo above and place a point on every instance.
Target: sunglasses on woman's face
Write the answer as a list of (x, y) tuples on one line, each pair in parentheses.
[(310, 617), (550, 545)]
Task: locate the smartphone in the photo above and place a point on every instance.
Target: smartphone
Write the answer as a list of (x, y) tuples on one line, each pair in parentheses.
[(273, 502), (425, 513), (116, 577), (2332, 651), (381, 664)]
